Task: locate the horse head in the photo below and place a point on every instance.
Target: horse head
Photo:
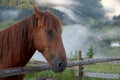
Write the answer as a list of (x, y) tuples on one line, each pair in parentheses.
[(47, 39)]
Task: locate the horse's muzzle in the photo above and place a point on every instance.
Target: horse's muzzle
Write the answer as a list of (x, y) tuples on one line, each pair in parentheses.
[(59, 65)]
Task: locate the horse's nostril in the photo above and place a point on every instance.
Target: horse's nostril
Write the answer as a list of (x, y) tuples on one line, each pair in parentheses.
[(60, 65)]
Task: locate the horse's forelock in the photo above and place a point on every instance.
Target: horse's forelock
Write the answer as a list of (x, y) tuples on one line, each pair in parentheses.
[(50, 20)]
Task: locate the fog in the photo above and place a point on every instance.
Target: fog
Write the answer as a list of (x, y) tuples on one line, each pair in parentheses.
[(9, 14), (75, 37), (56, 2), (68, 12)]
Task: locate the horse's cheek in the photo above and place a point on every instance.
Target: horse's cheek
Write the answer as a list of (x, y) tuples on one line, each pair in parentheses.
[(40, 40), (36, 41)]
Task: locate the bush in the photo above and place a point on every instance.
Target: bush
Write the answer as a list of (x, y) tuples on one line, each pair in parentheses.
[(90, 53)]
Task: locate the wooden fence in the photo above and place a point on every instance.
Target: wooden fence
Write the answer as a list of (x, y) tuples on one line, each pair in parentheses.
[(43, 67), (80, 73)]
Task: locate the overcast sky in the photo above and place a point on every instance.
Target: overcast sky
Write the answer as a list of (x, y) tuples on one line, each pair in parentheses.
[(112, 7)]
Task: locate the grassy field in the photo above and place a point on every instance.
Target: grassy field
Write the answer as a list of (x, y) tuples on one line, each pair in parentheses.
[(71, 74), (66, 75), (110, 52), (6, 24), (108, 68)]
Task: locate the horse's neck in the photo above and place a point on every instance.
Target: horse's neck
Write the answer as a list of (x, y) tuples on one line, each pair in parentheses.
[(16, 49)]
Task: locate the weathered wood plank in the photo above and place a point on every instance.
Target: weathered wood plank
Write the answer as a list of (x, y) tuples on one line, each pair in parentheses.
[(102, 75), (26, 70)]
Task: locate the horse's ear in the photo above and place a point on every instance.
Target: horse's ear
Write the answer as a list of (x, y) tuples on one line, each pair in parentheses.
[(37, 11)]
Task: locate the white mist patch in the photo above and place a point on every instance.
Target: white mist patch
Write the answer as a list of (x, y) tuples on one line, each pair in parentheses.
[(55, 2), (64, 6), (68, 12), (111, 7), (75, 37), (10, 14), (38, 57)]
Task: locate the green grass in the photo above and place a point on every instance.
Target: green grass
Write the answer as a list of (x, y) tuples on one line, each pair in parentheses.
[(107, 68), (103, 68), (110, 52), (66, 75), (71, 74), (111, 29)]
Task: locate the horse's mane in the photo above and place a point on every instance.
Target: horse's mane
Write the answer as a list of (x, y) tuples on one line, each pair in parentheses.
[(15, 40), (14, 43)]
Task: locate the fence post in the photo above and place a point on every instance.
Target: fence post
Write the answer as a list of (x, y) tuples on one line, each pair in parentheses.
[(80, 68)]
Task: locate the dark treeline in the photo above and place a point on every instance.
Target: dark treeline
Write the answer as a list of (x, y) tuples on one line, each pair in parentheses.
[(16, 3), (89, 12), (25, 8), (22, 9)]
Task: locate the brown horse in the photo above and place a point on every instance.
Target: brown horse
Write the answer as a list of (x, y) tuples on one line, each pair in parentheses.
[(41, 31)]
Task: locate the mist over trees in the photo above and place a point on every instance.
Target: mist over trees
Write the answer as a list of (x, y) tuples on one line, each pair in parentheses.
[(90, 12), (116, 21), (91, 9)]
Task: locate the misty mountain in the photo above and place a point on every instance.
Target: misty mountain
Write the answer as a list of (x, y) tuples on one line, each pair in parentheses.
[(18, 14), (84, 12), (89, 10)]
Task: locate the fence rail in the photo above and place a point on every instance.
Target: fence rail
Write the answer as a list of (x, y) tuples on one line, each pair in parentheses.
[(26, 70), (102, 75)]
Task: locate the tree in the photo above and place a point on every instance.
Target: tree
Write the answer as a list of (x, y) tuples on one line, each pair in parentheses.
[(90, 53)]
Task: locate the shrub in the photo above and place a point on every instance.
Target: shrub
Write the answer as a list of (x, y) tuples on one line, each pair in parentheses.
[(90, 53)]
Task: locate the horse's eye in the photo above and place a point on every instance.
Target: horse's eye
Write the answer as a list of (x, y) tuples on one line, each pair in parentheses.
[(50, 33)]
